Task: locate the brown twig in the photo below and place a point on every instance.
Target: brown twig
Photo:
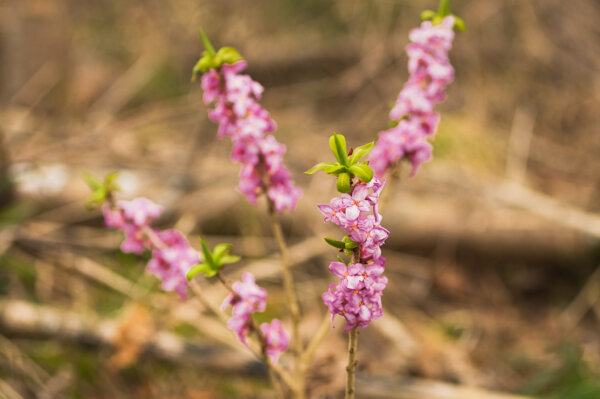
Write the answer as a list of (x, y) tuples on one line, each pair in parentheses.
[(290, 291), (352, 344)]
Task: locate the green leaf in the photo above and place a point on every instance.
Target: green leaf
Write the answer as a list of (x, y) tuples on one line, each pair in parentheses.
[(220, 251), (320, 166), (362, 171), (348, 243), (340, 144), (337, 143), (195, 270), (96, 199), (459, 24), (335, 170), (339, 258), (360, 152), (351, 245), (343, 183), (227, 259), (227, 55), (427, 15), (91, 181), (443, 9), (207, 255), (335, 243), (207, 44), (110, 182)]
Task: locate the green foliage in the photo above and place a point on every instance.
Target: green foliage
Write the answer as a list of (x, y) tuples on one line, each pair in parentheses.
[(571, 379), (212, 59), (442, 12), (347, 165), (101, 190), (213, 260), (346, 245), (23, 269)]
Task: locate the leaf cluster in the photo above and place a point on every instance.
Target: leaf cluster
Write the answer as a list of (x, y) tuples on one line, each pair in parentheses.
[(346, 245), (442, 12), (347, 165), (213, 260), (212, 59), (101, 190)]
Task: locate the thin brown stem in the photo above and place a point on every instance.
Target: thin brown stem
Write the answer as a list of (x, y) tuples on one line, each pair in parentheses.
[(392, 181), (272, 370), (292, 299), (351, 367), (352, 344), (314, 343)]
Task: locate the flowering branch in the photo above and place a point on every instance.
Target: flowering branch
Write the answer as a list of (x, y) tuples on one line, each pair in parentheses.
[(175, 262), (357, 296), (240, 116)]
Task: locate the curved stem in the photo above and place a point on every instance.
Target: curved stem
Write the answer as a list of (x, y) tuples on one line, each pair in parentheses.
[(314, 343), (272, 370), (290, 291)]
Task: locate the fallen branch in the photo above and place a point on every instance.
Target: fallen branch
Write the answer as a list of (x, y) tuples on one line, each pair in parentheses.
[(19, 319), (388, 388)]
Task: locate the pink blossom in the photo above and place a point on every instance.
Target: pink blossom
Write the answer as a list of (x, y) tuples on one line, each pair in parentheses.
[(430, 72), (171, 262), (112, 217), (139, 211), (276, 339), (240, 116), (247, 298), (357, 295), (172, 256)]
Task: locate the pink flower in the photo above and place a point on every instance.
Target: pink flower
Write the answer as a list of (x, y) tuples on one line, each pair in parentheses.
[(172, 255), (246, 299), (171, 262), (357, 295), (430, 72), (240, 116), (276, 339), (140, 211), (112, 217)]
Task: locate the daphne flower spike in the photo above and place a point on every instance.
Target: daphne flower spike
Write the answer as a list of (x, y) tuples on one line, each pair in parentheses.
[(234, 100), (414, 121)]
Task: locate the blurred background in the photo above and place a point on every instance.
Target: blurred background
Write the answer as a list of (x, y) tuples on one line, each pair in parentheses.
[(494, 244)]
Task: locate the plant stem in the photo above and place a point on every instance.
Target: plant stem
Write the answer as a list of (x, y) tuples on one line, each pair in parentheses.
[(314, 343), (292, 299), (444, 8), (352, 343), (351, 367), (391, 183), (272, 370)]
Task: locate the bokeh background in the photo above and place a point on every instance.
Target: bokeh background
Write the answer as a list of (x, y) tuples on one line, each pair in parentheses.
[(494, 244)]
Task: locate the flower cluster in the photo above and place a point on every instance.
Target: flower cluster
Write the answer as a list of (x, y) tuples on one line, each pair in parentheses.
[(172, 255), (277, 339), (248, 298), (357, 296), (357, 214), (241, 117), (430, 72)]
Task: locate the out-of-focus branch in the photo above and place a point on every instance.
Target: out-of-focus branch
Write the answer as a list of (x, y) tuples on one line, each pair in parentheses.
[(22, 319)]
